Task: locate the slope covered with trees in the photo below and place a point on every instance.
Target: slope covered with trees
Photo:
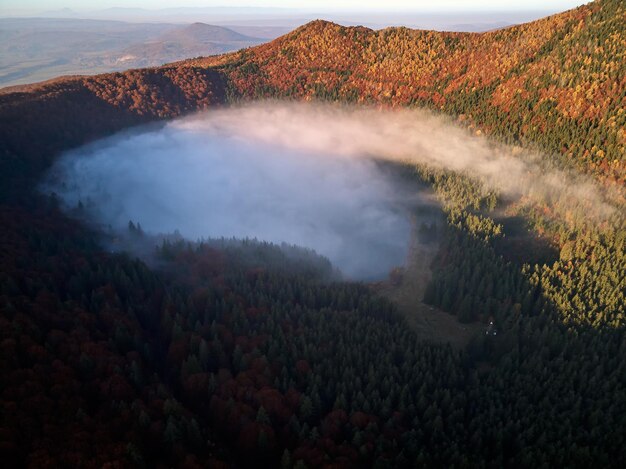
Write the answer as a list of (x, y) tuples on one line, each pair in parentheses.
[(239, 353), (558, 83)]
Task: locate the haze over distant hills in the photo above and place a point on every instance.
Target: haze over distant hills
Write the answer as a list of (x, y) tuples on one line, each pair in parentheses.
[(35, 49), (430, 18), (185, 41)]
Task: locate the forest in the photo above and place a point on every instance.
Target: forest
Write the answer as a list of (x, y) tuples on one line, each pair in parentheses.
[(242, 353)]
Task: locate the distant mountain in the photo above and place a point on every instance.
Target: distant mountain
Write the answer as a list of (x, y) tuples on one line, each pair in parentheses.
[(189, 41), (201, 33), (34, 49)]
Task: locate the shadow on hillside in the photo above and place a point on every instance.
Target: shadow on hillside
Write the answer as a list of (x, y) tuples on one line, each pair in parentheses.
[(37, 124)]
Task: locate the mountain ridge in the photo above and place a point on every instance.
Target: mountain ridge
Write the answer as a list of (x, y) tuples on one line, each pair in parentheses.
[(505, 81), (192, 40), (198, 31), (531, 84)]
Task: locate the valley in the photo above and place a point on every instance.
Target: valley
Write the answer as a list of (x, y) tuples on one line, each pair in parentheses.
[(166, 351)]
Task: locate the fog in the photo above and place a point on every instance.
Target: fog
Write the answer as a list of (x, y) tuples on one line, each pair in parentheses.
[(297, 173), (204, 182), (413, 136)]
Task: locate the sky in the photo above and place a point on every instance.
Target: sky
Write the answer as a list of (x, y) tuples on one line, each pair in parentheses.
[(12, 6)]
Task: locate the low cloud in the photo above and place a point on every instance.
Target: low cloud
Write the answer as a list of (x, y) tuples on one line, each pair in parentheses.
[(415, 136), (206, 183), (298, 173)]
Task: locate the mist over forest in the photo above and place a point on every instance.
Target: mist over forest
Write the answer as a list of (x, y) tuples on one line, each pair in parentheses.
[(203, 180), (303, 174)]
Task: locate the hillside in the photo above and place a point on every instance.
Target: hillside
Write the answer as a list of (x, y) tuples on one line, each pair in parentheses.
[(231, 353), (558, 83)]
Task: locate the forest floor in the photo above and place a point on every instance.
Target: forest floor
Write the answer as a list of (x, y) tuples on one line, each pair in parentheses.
[(407, 292)]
